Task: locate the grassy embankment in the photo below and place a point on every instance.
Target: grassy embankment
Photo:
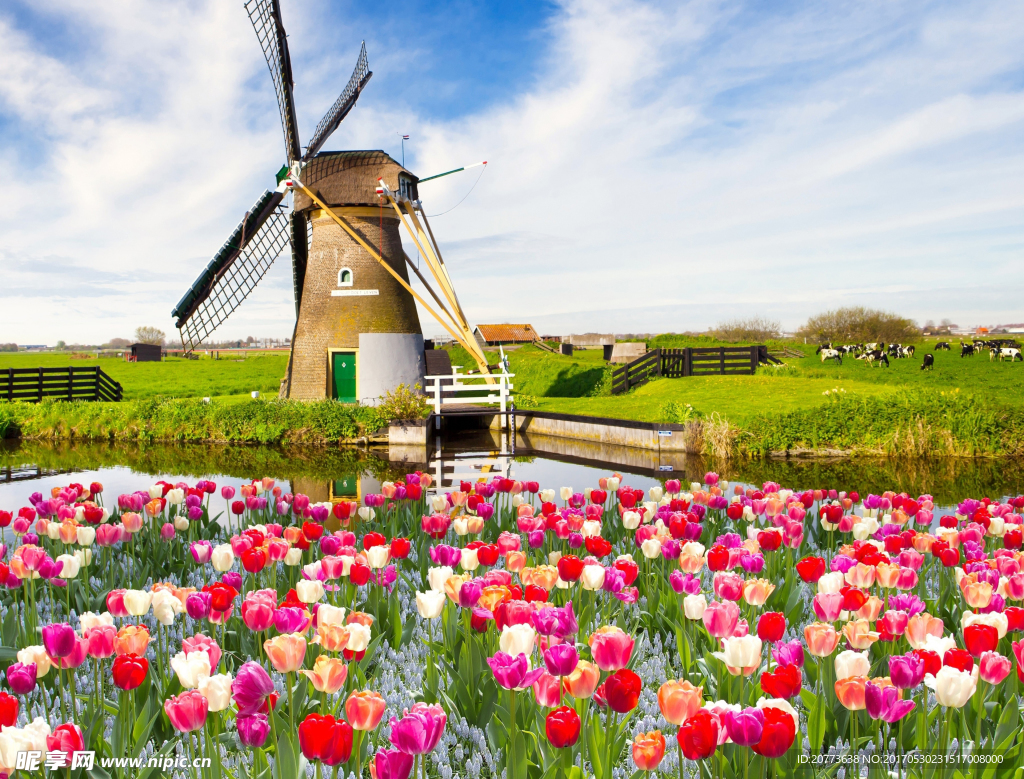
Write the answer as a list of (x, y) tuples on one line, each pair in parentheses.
[(964, 407), (163, 402)]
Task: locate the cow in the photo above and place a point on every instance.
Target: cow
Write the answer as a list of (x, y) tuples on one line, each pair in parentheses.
[(832, 354), (928, 362), (822, 347), (1003, 352), (942, 346), (875, 347), (876, 355), (966, 350)]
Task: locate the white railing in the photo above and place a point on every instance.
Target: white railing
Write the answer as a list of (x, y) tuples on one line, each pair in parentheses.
[(450, 471), (451, 390)]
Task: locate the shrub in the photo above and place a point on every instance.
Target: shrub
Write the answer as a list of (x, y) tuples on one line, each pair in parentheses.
[(859, 324), (403, 402), (677, 412)]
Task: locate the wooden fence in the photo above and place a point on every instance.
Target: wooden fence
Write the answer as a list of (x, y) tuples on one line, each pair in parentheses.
[(678, 363), (34, 384)]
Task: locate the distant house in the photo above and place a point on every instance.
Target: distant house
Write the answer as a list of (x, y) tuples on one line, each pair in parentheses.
[(501, 335), (589, 340), (143, 353)]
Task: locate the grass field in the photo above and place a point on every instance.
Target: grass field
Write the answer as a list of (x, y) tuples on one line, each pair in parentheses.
[(175, 377)]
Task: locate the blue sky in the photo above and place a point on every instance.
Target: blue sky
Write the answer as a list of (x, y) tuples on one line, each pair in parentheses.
[(653, 166)]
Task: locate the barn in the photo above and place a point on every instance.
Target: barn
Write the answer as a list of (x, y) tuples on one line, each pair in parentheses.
[(144, 353), (503, 335)]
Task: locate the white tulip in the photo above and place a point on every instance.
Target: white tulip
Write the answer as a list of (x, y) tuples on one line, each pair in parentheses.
[(53, 531), (378, 556), (191, 668), (741, 654), (850, 663), (86, 535), (939, 645), (137, 602), (439, 503), (166, 607), (461, 526), (591, 528), (631, 520), (175, 497), (554, 556), (437, 576), (36, 654), (831, 583), (565, 493), (592, 577), (547, 496), (656, 493), (367, 514), (71, 566), (469, 561), (90, 620), (222, 558), (358, 637), (293, 556), (313, 569), (651, 548), (430, 603), (217, 691), (330, 615), (156, 491), (84, 556), (517, 640), (181, 523), (310, 590), (953, 687), (694, 606)]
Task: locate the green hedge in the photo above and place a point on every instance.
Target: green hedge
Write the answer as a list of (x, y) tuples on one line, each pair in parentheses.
[(190, 419)]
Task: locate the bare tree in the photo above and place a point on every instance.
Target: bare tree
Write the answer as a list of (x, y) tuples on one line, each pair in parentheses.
[(755, 328), (149, 335)]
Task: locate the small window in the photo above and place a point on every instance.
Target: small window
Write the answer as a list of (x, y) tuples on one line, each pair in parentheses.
[(345, 277)]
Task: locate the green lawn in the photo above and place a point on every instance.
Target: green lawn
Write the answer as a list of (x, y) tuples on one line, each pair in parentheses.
[(175, 377)]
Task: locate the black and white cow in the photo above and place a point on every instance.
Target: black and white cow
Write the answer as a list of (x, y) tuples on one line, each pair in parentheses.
[(875, 356), (832, 354), (928, 362), (942, 346), (1005, 352), (966, 350)]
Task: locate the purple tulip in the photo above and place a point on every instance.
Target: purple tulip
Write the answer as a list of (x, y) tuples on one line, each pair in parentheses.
[(227, 492), (250, 688), (59, 640), (575, 540), (906, 671), (789, 653), (232, 579), (22, 677), (512, 673), (843, 563), (614, 580), (485, 511), (996, 605), (556, 621), (911, 604), (290, 619), (752, 563), (30, 538), (670, 549), (561, 659), (392, 764), (442, 554), (318, 514), (469, 593), (744, 727), (693, 530), (535, 538), (329, 545), (884, 703), (253, 730), (420, 728), (197, 605)]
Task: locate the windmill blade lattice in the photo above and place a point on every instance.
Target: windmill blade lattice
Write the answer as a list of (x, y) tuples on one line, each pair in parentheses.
[(346, 100), (237, 279), (265, 16)]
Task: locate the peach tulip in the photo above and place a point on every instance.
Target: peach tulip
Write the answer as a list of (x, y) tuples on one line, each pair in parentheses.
[(850, 692), (364, 710), (920, 627), (756, 591), (132, 640), (679, 700), (328, 674), (821, 639), (286, 652)]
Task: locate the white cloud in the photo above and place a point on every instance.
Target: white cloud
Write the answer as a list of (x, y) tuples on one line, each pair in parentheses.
[(668, 166)]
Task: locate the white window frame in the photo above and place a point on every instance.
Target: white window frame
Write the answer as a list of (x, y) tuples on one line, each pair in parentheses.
[(351, 277)]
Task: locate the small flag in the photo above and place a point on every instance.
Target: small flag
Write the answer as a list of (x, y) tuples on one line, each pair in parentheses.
[(405, 137)]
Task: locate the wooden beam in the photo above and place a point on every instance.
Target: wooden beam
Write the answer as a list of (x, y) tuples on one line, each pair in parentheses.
[(359, 239)]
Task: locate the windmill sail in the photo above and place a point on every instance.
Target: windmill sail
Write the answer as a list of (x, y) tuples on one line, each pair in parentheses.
[(345, 102), (234, 271), (265, 16)]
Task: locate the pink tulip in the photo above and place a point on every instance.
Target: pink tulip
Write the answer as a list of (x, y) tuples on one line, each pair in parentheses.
[(827, 606), (611, 648), (100, 641), (419, 730), (548, 690), (199, 642), (188, 711), (993, 667), (720, 618)]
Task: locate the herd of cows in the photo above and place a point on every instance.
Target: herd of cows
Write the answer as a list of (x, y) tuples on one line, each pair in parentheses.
[(879, 353)]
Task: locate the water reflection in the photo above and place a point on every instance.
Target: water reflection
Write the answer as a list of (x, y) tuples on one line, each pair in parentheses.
[(349, 473)]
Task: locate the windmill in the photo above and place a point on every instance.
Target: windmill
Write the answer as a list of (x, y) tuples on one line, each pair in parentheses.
[(357, 332)]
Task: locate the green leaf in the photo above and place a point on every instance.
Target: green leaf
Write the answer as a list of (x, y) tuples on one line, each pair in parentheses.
[(1008, 726)]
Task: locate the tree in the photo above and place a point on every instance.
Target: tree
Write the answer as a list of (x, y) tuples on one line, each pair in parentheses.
[(149, 335), (755, 328), (118, 343), (858, 324), (250, 340), (61, 344)]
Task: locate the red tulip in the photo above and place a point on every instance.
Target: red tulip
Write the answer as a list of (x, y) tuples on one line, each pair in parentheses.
[(778, 734), (570, 568), (932, 661), (979, 638), (598, 497), (811, 569), (784, 682), (487, 554), (254, 560), (598, 546), (400, 548), (629, 569), (1014, 618), (718, 558), (698, 736), (853, 598), (950, 557), (8, 710), (771, 626), (622, 690), (960, 658), (734, 511), (359, 574), (238, 507), (312, 530), (222, 596), (562, 727), (534, 593), (129, 671)]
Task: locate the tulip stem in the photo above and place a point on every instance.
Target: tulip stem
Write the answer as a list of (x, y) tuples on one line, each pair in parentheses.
[(980, 695), (511, 733), (291, 707)]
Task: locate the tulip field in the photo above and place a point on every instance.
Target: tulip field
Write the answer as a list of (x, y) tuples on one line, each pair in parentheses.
[(510, 629)]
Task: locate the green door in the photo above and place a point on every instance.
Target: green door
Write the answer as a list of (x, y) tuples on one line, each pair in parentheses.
[(343, 369)]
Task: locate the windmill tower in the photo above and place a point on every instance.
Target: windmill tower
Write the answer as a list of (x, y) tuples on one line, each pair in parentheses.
[(357, 332)]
